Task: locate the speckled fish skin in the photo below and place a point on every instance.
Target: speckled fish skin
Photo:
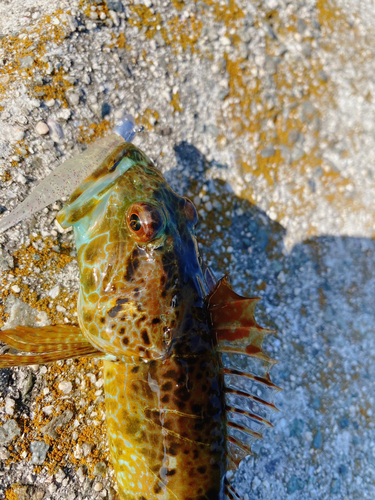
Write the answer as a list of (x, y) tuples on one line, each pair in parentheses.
[(142, 301)]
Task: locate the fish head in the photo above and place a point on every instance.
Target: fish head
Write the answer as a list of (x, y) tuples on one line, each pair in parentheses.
[(138, 258)]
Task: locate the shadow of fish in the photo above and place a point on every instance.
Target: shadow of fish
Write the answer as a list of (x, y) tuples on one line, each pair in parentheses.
[(186, 381)]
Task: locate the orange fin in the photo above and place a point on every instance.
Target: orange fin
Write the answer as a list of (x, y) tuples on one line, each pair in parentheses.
[(249, 391), (47, 344)]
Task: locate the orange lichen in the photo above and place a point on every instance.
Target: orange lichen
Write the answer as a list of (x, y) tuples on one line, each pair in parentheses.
[(184, 33), (89, 133), (149, 118), (10, 494), (84, 401), (176, 103), (147, 20), (35, 260), (33, 43)]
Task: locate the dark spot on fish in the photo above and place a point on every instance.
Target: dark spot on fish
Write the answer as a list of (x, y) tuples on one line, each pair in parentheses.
[(204, 388), (113, 326), (142, 498), (122, 331), (121, 301), (199, 376), (182, 393), (163, 294), (132, 265), (156, 321), (167, 386), (171, 374), (197, 408), (165, 399), (163, 280), (145, 337), (140, 320), (135, 369), (112, 313), (195, 454), (202, 469), (125, 341), (180, 404), (102, 320), (173, 449), (123, 318), (157, 489)]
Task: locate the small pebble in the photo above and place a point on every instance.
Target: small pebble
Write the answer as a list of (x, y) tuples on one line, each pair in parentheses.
[(73, 97), (39, 452), (17, 134), (98, 486), (41, 128), (65, 387), (114, 17), (54, 292), (9, 430), (26, 62), (16, 289), (48, 410), (55, 131), (49, 103), (86, 448)]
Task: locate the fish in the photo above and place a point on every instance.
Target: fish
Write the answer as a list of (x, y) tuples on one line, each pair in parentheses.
[(187, 383)]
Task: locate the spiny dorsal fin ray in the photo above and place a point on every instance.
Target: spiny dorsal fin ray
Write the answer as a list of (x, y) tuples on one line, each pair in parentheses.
[(49, 343), (230, 491), (249, 390)]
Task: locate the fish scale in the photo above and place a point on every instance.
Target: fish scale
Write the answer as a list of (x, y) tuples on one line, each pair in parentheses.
[(187, 383)]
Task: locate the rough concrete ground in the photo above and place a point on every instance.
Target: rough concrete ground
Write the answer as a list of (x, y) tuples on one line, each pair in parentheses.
[(263, 113)]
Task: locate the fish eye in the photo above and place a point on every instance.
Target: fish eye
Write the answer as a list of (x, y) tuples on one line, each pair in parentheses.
[(135, 223), (144, 221)]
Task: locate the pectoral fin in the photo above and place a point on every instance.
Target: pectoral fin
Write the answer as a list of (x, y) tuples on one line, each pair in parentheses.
[(249, 391), (46, 344)]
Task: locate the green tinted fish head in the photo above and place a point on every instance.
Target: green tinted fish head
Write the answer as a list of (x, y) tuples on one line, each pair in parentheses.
[(138, 258)]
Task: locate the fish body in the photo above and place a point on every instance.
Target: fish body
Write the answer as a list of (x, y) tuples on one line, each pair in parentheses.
[(186, 381), (142, 300)]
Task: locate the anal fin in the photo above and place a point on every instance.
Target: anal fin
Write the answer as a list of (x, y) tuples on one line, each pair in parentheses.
[(47, 344), (249, 391)]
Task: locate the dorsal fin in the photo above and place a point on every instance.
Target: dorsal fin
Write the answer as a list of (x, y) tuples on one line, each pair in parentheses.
[(249, 391), (48, 343)]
